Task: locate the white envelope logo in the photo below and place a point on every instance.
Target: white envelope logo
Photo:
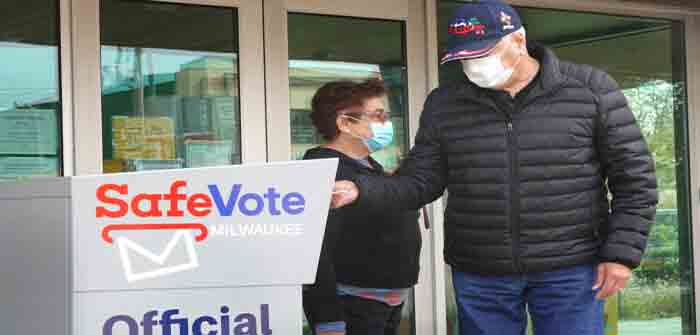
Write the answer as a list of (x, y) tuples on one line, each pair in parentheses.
[(182, 238)]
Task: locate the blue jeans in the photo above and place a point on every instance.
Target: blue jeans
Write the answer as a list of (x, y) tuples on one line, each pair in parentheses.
[(559, 303)]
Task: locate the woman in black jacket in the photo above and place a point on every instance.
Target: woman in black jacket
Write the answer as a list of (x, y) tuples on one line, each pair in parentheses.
[(369, 259)]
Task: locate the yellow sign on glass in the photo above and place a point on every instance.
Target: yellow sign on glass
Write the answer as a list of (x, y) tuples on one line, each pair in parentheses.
[(143, 137)]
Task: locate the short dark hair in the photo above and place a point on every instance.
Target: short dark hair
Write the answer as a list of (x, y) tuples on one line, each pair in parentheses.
[(336, 96)]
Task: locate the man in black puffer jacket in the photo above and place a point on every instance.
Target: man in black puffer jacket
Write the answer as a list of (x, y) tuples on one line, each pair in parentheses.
[(528, 147)]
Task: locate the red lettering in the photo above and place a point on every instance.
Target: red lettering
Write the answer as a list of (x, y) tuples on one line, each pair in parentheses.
[(153, 210), (147, 205), (174, 197), (104, 198), (199, 204)]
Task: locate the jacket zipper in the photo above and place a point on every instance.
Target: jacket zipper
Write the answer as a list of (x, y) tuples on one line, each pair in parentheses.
[(514, 224), (514, 196), (514, 178)]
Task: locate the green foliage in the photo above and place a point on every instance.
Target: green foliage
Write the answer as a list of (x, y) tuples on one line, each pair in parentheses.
[(662, 300), (654, 292), (661, 260), (656, 104)]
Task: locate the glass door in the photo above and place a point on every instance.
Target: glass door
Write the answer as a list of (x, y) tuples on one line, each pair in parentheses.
[(170, 99), (343, 41), (178, 84), (331, 48), (646, 56)]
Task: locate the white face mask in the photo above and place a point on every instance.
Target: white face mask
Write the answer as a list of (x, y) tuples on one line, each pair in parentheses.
[(488, 72)]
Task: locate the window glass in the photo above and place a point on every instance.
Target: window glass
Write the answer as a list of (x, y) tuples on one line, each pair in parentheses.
[(30, 97), (170, 89)]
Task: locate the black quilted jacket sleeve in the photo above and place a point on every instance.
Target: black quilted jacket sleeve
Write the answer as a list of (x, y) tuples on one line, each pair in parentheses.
[(629, 169), (421, 177)]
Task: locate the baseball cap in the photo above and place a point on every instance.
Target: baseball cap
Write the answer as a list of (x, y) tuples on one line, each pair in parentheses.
[(477, 27)]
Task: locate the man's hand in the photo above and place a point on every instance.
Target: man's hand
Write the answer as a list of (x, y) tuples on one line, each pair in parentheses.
[(344, 193), (612, 277)]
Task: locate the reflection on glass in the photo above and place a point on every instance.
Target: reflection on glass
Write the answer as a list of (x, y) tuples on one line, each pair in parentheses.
[(169, 87), (324, 49), (659, 298), (30, 105)]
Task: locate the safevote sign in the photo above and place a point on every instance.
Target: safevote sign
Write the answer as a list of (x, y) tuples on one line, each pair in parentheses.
[(210, 227), (199, 205)]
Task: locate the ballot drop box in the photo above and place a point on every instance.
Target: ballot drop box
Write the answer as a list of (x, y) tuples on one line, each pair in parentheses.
[(210, 251)]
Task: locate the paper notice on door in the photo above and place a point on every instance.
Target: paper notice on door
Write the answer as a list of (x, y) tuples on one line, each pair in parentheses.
[(31, 131), (27, 167)]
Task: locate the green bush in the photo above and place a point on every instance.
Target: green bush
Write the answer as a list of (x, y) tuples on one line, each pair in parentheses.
[(661, 260), (651, 302)]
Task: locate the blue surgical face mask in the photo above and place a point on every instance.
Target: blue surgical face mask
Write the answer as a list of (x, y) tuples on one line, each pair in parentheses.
[(382, 135)]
